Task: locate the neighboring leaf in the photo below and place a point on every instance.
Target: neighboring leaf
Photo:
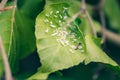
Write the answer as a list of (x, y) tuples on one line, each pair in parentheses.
[(9, 37), (112, 10), (94, 51), (95, 54), (23, 32), (25, 21), (31, 8), (26, 34)]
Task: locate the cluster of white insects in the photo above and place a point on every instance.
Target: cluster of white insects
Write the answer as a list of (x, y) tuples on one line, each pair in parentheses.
[(60, 31)]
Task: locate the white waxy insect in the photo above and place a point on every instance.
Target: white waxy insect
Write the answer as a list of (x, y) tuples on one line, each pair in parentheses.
[(51, 12), (54, 34), (61, 34), (46, 20), (66, 42), (53, 26), (65, 8), (80, 47), (74, 39), (46, 15), (65, 17), (59, 21), (55, 16), (61, 16), (47, 30), (57, 12), (51, 22), (73, 46)]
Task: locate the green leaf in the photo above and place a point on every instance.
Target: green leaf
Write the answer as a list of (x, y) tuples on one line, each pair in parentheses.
[(61, 46), (26, 34), (57, 42), (95, 54), (113, 12), (39, 76), (9, 35), (31, 8), (73, 4), (25, 21), (19, 38)]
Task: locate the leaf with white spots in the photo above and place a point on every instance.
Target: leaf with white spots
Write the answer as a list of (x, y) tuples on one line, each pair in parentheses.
[(59, 46)]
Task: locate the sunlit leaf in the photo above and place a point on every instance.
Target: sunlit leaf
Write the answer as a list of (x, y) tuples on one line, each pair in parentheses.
[(59, 46)]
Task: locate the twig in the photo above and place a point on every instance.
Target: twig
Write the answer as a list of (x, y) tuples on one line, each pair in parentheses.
[(88, 17), (8, 75), (7, 8), (2, 4), (83, 9), (12, 25), (113, 37), (75, 16), (102, 17)]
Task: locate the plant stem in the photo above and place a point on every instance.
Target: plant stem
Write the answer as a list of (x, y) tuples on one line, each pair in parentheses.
[(2, 4), (102, 17), (88, 17), (75, 16), (112, 37), (8, 75), (7, 8), (12, 26)]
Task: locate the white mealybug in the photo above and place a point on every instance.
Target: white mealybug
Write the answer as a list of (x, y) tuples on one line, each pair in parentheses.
[(65, 17), (61, 16), (74, 39), (55, 16), (57, 12), (65, 8), (46, 15), (47, 30), (51, 12), (51, 22), (46, 20), (53, 26), (61, 35), (59, 21), (73, 46), (80, 47)]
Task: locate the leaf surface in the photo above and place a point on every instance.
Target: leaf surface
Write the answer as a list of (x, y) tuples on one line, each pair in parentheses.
[(56, 43), (61, 45)]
